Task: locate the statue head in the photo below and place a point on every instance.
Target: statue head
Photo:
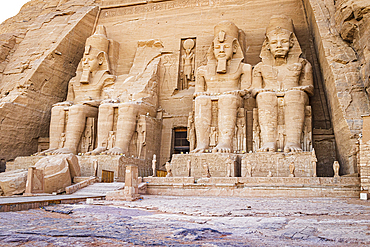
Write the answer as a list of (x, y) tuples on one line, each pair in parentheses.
[(225, 41), (95, 56), (225, 46), (279, 35), (280, 41)]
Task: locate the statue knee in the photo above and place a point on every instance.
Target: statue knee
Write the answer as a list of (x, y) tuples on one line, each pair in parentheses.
[(266, 99), (229, 102), (127, 109), (296, 97), (57, 110)]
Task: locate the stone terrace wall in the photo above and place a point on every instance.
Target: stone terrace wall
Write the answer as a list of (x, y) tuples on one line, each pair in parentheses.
[(340, 68)]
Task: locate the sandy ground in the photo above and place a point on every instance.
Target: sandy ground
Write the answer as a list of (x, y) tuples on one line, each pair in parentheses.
[(192, 221)]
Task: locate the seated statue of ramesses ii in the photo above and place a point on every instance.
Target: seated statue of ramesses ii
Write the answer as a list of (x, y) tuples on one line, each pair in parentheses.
[(85, 92), (135, 94), (224, 79), (284, 75)]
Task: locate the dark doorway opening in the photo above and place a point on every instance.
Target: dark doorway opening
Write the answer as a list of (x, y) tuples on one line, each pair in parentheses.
[(181, 144)]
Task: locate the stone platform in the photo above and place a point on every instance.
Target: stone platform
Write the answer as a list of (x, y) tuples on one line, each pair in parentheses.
[(115, 163), (346, 187), (218, 164), (258, 164)]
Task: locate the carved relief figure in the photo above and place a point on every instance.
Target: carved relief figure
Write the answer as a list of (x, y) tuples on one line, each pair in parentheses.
[(166, 68), (188, 63), (141, 136), (282, 73), (111, 139), (191, 131), (85, 92), (241, 131), (224, 77), (62, 140), (137, 95), (213, 137)]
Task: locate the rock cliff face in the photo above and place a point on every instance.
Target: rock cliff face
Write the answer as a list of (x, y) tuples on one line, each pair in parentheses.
[(39, 53), (41, 47)]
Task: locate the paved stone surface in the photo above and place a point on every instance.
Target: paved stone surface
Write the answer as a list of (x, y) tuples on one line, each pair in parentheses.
[(192, 221), (100, 188)]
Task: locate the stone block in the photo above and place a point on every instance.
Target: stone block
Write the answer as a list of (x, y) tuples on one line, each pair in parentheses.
[(35, 181), (218, 164), (364, 196), (131, 190), (261, 163)]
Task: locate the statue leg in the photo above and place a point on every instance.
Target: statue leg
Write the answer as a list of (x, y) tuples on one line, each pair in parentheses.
[(58, 115), (202, 121), (228, 105), (105, 124), (75, 127), (267, 116), (127, 114), (294, 111)]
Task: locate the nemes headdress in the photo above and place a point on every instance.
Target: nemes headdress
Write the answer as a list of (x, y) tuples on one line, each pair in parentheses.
[(97, 42), (226, 30), (280, 22)]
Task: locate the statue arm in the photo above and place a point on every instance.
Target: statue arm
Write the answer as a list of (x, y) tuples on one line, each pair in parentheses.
[(246, 78), (71, 93), (257, 81), (306, 80), (200, 82)]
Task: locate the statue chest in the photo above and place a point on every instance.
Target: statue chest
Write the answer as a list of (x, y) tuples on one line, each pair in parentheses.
[(281, 77), (223, 82)]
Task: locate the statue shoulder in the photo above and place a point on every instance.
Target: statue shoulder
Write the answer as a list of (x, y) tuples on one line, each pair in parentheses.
[(247, 68), (257, 68)]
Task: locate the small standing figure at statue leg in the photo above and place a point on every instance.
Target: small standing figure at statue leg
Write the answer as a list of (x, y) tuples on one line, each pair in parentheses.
[(336, 168)]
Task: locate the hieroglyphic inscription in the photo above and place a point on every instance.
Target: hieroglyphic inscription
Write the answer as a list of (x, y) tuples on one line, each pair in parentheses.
[(128, 7)]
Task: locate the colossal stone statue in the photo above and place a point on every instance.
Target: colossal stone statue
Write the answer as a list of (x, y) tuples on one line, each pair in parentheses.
[(224, 80), (85, 92), (135, 94), (281, 76)]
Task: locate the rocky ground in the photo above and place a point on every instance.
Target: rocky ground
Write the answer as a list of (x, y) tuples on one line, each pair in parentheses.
[(192, 221)]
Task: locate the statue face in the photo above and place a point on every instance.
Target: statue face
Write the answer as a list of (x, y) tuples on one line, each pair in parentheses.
[(91, 62), (279, 44), (223, 50)]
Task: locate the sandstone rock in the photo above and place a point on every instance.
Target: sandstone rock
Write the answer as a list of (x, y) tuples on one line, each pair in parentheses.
[(59, 171), (14, 182)]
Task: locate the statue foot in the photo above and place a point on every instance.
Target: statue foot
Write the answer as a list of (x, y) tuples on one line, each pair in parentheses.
[(97, 151), (62, 151), (268, 147), (44, 152), (114, 151), (221, 149), (198, 150), (292, 147)]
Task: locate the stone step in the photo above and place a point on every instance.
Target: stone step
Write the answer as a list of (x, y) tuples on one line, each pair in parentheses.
[(100, 188)]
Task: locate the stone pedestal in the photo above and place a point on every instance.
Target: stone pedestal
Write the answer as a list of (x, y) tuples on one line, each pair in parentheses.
[(114, 163), (219, 165), (35, 181), (131, 190), (260, 164)]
